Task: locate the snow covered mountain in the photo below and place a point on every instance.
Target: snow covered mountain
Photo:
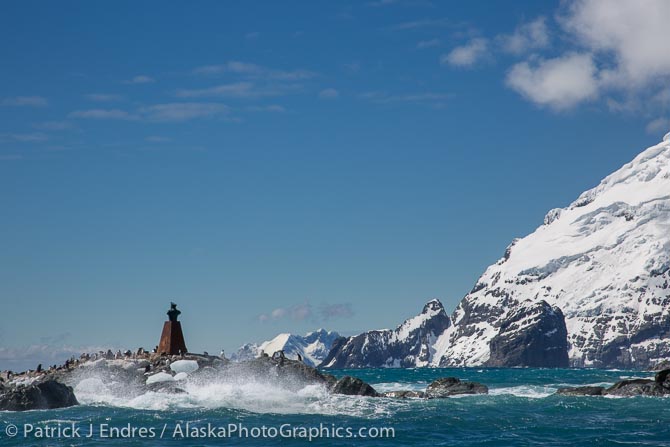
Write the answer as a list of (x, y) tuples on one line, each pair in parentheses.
[(313, 347), (603, 262), (408, 345)]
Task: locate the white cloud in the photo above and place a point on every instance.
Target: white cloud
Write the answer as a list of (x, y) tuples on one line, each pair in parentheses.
[(104, 97), (428, 43), (269, 108), (176, 111), (105, 114), (559, 83), (618, 50), (529, 36), (25, 137), (25, 101), (633, 32), (430, 98), (424, 23), (234, 90), (244, 89), (183, 111), (54, 125), (329, 93), (229, 67), (332, 311), (254, 71), (466, 55), (140, 79), (157, 139), (659, 125), (299, 312)]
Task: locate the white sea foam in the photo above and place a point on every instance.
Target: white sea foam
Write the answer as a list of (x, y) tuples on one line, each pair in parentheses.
[(528, 391), (253, 396), (398, 386)]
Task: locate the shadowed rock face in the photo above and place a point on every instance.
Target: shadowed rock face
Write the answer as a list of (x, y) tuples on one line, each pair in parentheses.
[(407, 346), (45, 395), (451, 386), (534, 336), (582, 391), (659, 386), (352, 386)]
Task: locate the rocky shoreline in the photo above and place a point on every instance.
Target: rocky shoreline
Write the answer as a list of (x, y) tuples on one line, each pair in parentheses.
[(143, 372)]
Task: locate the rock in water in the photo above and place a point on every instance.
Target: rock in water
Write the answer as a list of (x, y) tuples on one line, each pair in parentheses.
[(582, 391), (451, 386), (408, 345), (533, 335), (662, 378), (636, 387), (604, 261), (353, 386), (45, 395)]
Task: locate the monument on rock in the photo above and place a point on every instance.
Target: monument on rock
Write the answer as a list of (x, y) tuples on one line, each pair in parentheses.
[(172, 339)]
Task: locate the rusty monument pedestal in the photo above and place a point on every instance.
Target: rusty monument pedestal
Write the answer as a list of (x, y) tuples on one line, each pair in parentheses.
[(172, 339)]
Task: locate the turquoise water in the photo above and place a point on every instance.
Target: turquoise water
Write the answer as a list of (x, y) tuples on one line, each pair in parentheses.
[(520, 410)]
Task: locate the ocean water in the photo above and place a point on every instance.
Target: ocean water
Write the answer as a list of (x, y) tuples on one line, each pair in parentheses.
[(521, 410)]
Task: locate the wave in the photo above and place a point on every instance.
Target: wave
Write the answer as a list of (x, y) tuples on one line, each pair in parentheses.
[(251, 396)]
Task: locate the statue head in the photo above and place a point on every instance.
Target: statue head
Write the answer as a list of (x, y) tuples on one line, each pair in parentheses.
[(173, 313)]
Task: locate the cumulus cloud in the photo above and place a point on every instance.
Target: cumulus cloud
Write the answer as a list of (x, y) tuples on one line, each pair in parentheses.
[(104, 97), (329, 93), (103, 114), (175, 111), (633, 33), (234, 90), (466, 55), (140, 79), (559, 83), (53, 125), (305, 311), (25, 101), (268, 108), (333, 311), (428, 44), (529, 36), (428, 98), (658, 126), (24, 137), (157, 139), (183, 111), (618, 52), (299, 312), (251, 70)]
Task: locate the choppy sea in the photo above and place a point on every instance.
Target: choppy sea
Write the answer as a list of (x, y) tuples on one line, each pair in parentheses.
[(520, 410)]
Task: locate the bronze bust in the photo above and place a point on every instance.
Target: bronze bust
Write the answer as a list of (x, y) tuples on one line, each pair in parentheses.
[(173, 313)]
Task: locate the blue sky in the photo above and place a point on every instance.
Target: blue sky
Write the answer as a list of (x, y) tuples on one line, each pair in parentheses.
[(284, 166)]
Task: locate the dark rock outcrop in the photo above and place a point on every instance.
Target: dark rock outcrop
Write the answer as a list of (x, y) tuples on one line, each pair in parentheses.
[(353, 386), (659, 386), (582, 391), (451, 386), (408, 345), (533, 335), (44, 395), (636, 387)]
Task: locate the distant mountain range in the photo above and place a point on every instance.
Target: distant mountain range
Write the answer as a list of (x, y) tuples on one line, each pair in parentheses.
[(590, 287), (313, 347)]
